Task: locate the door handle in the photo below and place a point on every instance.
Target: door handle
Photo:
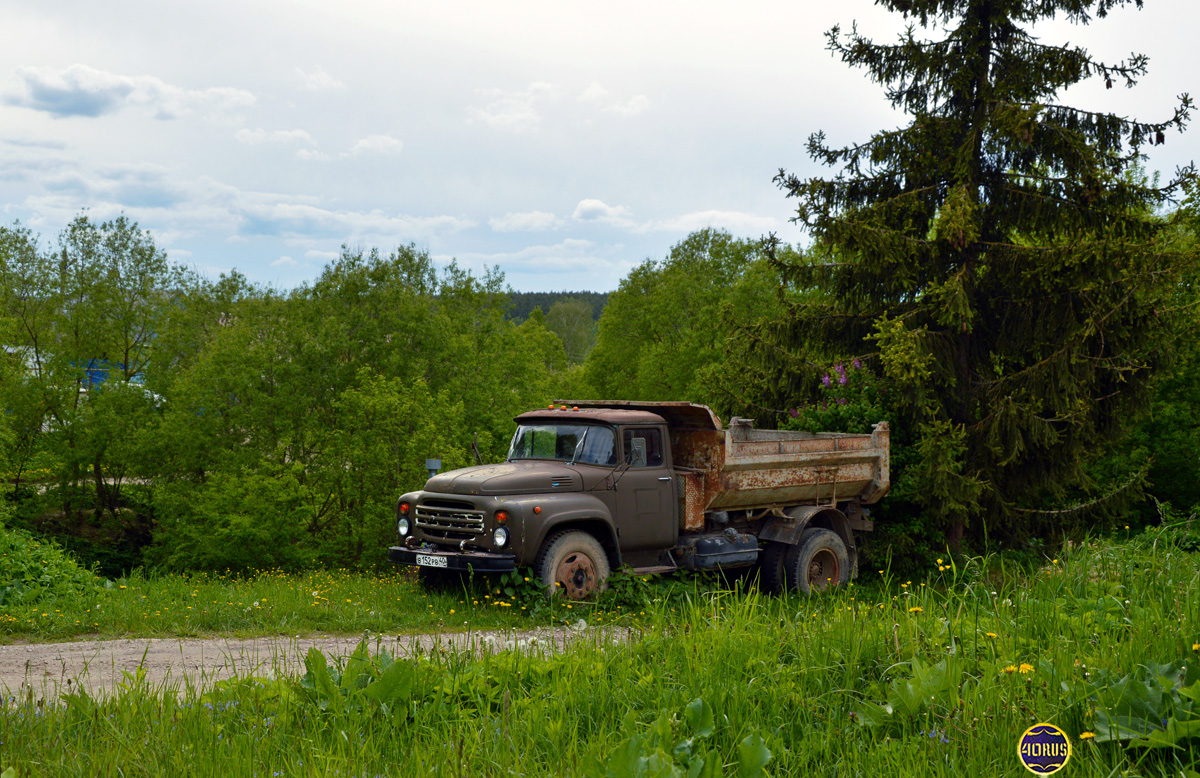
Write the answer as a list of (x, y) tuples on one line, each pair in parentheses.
[(664, 478)]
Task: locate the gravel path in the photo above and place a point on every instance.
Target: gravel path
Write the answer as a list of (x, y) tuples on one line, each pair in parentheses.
[(50, 669)]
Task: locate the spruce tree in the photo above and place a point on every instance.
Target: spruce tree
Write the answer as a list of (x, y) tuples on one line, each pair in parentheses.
[(1000, 259)]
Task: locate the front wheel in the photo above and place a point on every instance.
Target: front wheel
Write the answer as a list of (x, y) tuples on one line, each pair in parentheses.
[(818, 562), (573, 563)]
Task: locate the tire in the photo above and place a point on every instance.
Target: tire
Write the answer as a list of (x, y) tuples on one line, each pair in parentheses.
[(572, 564), (771, 578), (818, 562)]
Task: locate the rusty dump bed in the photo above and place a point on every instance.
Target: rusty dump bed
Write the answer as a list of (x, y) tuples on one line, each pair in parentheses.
[(740, 467)]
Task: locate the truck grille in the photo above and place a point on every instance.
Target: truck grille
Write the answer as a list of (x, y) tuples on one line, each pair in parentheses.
[(450, 523)]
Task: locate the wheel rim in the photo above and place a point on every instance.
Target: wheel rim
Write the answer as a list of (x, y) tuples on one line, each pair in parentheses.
[(576, 574), (824, 570)]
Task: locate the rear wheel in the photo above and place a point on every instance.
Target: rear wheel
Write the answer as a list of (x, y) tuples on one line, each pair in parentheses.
[(573, 564), (818, 562)]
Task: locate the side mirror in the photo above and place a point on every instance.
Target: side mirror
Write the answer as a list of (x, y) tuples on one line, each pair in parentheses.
[(637, 452)]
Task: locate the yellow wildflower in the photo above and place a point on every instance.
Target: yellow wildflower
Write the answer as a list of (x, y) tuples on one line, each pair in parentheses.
[(1025, 669), (992, 635), (1010, 669), (916, 609), (1086, 735)]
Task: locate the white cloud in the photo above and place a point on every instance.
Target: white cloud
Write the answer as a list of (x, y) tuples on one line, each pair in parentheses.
[(80, 90), (326, 255), (631, 107), (318, 80), (284, 262), (204, 206), (254, 137), (599, 211), (734, 221), (570, 255), (514, 110), (593, 94), (533, 221), (597, 95), (178, 254), (376, 144), (312, 154)]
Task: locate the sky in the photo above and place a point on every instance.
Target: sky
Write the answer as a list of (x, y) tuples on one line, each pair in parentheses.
[(563, 142)]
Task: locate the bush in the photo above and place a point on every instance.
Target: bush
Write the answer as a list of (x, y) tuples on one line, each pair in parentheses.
[(34, 573)]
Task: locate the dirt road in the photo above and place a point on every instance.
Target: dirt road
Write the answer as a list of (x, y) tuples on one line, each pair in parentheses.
[(50, 669)]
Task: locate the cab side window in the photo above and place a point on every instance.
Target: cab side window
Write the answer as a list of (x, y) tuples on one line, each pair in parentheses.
[(652, 438)]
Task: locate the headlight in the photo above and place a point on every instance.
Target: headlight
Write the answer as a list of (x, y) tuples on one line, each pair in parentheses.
[(403, 526), (500, 536)]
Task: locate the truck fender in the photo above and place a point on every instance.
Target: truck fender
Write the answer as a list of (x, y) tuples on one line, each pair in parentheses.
[(589, 515), (788, 527)]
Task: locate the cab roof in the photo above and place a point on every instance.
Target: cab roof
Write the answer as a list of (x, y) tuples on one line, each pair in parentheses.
[(595, 415), (679, 415)]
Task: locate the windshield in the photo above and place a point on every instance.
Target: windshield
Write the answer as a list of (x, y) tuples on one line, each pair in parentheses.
[(589, 443)]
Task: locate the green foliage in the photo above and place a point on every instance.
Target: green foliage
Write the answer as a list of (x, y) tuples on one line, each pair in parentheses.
[(84, 316), (224, 425), (1093, 640), (664, 331), (524, 304), (39, 574), (999, 260), (571, 320), (662, 753)]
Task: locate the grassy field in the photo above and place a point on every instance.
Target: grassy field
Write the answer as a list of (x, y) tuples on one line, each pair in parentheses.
[(324, 602), (935, 677)]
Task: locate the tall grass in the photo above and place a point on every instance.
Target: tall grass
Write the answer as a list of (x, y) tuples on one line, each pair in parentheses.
[(917, 678)]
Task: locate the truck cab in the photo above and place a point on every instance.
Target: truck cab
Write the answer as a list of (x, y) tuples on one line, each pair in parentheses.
[(591, 487)]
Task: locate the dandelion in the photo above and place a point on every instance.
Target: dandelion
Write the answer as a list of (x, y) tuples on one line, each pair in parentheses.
[(451, 611), (916, 609), (992, 635), (1196, 646), (1087, 735), (1025, 669), (939, 560)]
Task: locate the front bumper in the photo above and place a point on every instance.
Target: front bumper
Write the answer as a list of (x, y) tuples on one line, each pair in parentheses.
[(456, 561)]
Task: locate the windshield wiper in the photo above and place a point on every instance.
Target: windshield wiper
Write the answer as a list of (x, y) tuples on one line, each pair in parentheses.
[(579, 446)]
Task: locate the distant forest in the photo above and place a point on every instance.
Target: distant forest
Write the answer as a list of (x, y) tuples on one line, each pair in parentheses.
[(523, 303)]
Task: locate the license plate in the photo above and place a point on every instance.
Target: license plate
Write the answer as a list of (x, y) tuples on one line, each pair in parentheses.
[(424, 560)]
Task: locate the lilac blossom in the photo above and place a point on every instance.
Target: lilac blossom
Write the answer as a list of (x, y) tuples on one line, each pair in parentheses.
[(857, 364), (825, 379)]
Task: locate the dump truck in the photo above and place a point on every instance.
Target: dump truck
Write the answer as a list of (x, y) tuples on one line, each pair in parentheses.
[(591, 487)]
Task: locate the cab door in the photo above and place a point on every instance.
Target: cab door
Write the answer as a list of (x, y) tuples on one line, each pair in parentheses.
[(646, 502)]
